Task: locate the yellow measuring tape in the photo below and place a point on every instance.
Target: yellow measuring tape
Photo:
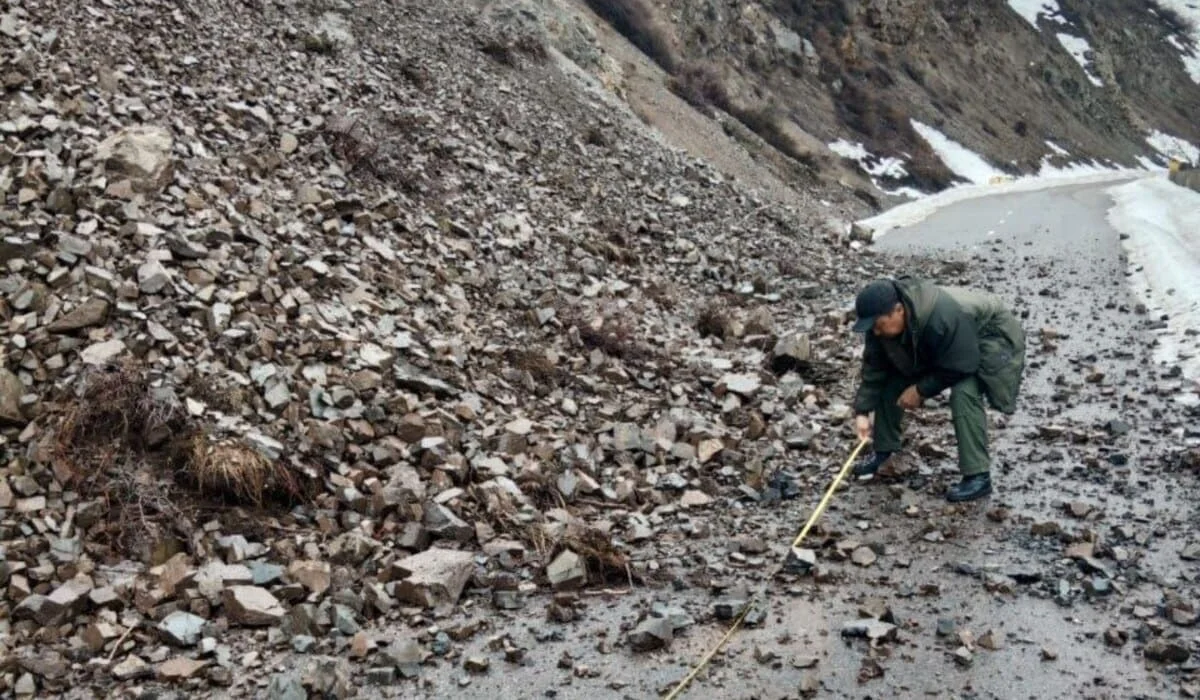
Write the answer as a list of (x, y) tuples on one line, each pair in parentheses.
[(737, 622)]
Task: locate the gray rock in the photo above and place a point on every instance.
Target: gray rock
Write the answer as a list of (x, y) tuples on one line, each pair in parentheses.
[(568, 570), (406, 656), (678, 617), (286, 686), (443, 524), (744, 384), (412, 379), (182, 628), (132, 667), (800, 561), (93, 312), (1167, 651), (140, 153), (11, 391), (873, 630), (654, 633), (343, 620), (433, 577), (381, 675), (153, 277), (252, 606), (264, 573), (102, 353)]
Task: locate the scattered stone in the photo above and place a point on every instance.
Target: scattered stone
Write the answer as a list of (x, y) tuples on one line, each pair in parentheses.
[(180, 669), (131, 668), (874, 630), (800, 561), (182, 628), (252, 606), (991, 640), (140, 153), (864, 556), (653, 633), (434, 577), (1166, 651), (568, 570)]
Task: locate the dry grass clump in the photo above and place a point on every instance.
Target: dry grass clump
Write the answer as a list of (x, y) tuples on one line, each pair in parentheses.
[(888, 130), (231, 470), (715, 321), (116, 411), (605, 563), (510, 50), (638, 21), (1176, 22), (701, 86), (615, 336), (537, 364), (129, 444)]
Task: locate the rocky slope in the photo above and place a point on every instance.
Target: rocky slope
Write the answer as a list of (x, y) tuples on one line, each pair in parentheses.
[(341, 336), (295, 291), (1024, 84)]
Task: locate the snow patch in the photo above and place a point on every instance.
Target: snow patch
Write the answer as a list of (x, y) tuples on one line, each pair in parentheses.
[(1058, 149), (1189, 10), (874, 165), (1173, 147), (961, 161), (1161, 223), (1078, 47), (1031, 9)]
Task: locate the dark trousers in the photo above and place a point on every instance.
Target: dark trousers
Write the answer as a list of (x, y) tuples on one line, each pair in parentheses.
[(966, 410)]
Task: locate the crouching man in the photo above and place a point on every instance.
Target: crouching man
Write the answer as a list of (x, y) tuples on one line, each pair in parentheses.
[(922, 339)]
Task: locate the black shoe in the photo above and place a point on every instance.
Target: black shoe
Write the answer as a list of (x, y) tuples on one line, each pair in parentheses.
[(970, 488), (869, 465)]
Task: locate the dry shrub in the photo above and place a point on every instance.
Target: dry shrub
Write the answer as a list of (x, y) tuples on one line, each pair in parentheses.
[(701, 86), (638, 21), (510, 50), (375, 145), (768, 122), (539, 366), (664, 294), (117, 410), (926, 171), (615, 337), (352, 141), (605, 563), (715, 321), (130, 445)]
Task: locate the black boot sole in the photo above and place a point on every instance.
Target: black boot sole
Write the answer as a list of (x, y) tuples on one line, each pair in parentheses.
[(955, 498)]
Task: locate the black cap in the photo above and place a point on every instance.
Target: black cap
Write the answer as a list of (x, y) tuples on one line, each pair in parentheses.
[(876, 299)]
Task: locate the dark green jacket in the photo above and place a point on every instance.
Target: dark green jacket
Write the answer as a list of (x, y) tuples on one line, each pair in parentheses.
[(952, 333)]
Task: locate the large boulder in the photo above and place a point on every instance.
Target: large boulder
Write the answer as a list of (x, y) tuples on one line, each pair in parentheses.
[(141, 154)]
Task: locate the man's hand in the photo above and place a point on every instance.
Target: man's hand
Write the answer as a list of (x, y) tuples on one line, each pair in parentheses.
[(910, 399), (862, 426)]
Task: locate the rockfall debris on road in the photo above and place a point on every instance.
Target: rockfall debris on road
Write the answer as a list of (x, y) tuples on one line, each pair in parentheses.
[(320, 346)]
